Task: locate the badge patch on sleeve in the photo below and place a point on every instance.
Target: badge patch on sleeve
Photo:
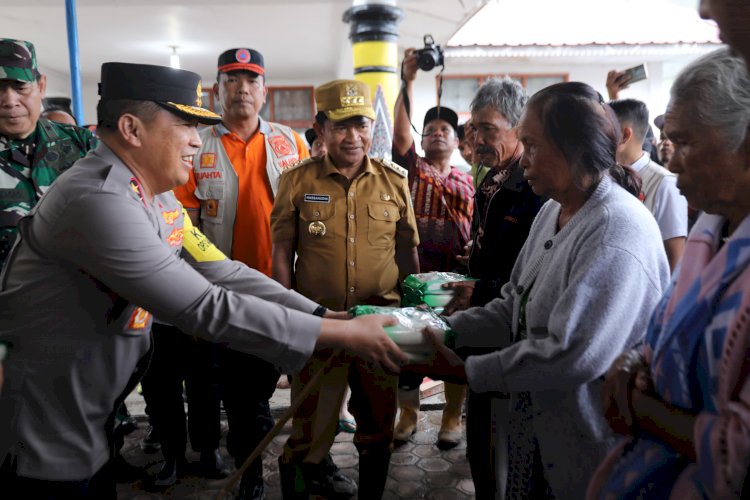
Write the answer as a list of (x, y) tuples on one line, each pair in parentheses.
[(139, 319), (170, 216), (318, 198), (208, 160), (176, 236)]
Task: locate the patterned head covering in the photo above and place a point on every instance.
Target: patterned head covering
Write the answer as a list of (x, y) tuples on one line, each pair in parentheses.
[(18, 61)]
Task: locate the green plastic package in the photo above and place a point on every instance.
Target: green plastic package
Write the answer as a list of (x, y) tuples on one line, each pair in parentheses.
[(427, 288), (407, 334)]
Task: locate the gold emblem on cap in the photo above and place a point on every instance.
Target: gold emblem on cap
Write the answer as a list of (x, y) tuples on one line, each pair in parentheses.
[(317, 228), (199, 95), (195, 111), (385, 197), (352, 96)]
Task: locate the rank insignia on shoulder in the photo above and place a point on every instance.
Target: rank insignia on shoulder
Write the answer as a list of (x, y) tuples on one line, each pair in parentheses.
[(302, 163), (393, 166)]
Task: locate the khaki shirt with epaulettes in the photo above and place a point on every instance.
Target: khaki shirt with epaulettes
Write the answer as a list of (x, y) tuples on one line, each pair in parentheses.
[(345, 233)]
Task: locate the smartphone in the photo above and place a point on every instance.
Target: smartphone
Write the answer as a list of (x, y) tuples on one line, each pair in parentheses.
[(636, 73)]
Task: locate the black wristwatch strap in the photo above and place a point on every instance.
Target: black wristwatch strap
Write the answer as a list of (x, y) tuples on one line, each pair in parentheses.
[(320, 311)]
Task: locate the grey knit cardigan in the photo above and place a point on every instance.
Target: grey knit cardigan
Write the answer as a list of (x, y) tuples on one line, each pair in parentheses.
[(594, 285)]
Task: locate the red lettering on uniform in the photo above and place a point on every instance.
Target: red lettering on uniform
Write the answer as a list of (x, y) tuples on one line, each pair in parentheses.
[(175, 238), (208, 160), (171, 216), (288, 163), (208, 175), (280, 146)]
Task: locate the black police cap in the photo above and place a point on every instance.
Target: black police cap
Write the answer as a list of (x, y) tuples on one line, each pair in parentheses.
[(442, 113), (176, 90)]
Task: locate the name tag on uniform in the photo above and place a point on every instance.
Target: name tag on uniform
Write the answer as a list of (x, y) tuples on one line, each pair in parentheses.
[(318, 198)]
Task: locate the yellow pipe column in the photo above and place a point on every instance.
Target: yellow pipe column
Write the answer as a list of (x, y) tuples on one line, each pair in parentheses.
[(374, 38)]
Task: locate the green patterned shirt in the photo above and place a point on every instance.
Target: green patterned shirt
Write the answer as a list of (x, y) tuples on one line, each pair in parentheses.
[(28, 167)]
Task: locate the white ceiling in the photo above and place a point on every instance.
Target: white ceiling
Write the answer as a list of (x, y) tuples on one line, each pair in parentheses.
[(296, 37), (303, 41)]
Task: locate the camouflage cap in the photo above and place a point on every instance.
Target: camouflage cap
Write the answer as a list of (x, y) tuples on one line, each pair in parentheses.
[(343, 99), (18, 61)]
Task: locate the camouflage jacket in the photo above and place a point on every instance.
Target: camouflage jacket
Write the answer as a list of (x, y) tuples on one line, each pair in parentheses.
[(57, 147)]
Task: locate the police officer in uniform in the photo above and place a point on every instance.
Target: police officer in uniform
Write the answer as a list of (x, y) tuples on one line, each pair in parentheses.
[(33, 150), (350, 222), (107, 248)]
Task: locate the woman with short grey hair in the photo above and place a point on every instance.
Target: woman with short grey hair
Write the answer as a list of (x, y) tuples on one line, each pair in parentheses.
[(682, 401), (582, 289)]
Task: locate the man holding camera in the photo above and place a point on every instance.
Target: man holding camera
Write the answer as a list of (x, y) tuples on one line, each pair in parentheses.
[(443, 199)]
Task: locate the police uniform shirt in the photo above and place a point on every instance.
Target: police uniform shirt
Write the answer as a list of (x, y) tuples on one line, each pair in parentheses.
[(94, 261), (346, 232)]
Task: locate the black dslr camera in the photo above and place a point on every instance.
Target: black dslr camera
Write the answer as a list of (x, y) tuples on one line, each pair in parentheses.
[(430, 56)]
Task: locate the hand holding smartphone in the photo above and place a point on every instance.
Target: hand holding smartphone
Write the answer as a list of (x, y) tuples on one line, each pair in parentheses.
[(636, 73)]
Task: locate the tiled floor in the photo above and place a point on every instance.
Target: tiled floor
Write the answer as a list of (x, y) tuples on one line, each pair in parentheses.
[(418, 468)]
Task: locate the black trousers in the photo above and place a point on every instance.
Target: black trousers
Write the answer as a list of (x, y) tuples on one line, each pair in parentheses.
[(101, 486), (247, 384), (180, 357)]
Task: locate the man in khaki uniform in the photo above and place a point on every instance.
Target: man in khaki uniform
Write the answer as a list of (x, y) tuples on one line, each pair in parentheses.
[(350, 221)]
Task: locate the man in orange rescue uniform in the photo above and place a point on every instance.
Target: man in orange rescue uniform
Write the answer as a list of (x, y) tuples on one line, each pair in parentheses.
[(229, 197)]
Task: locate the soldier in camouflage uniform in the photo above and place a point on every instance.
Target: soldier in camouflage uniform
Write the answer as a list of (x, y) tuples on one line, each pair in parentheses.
[(33, 150)]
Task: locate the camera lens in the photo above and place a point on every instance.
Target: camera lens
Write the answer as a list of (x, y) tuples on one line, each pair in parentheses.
[(426, 60)]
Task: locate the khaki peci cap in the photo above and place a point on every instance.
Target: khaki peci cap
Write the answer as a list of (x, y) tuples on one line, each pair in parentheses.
[(18, 61), (343, 99)]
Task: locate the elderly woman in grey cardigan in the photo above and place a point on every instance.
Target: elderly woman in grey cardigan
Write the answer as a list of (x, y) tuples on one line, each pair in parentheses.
[(582, 290)]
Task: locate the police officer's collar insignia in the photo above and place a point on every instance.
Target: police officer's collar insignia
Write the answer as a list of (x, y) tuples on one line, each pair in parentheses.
[(138, 190)]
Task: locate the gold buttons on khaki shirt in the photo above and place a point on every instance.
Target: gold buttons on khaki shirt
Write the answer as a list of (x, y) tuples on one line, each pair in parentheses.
[(351, 216), (385, 213)]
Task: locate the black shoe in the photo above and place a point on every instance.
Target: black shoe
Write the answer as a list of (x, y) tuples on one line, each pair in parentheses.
[(327, 480), (126, 472), (167, 475), (255, 490), (212, 465), (150, 442)]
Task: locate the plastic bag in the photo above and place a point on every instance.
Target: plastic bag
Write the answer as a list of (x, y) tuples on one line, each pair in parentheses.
[(427, 288), (407, 334)]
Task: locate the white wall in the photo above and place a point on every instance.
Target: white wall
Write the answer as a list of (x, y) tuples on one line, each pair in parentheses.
[(654, 91)]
